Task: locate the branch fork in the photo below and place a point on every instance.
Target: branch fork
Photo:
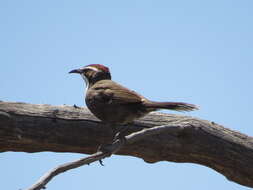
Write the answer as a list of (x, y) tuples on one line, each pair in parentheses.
[(98, 156)]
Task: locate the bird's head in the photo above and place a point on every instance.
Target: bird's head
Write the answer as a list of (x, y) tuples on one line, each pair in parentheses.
[(93, 73)]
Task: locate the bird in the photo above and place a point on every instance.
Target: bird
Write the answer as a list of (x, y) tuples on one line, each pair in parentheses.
[(115, 104)]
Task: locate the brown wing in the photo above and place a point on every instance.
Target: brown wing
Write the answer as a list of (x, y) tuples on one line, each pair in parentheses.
[(115, 93)]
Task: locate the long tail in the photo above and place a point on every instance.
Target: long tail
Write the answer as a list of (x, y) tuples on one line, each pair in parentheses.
[(177, 106)]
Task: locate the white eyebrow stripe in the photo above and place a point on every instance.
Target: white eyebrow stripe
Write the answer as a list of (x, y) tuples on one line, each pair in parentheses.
[(92, 68)]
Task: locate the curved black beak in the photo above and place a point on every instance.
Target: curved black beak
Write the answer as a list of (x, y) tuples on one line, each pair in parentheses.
[(78, 71)]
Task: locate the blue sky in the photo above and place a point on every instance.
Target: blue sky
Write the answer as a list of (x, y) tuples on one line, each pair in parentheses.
[(195, 51)]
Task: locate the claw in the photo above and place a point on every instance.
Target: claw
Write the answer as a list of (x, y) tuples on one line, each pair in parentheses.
[(101, 162), (103, 149), (119, 136)]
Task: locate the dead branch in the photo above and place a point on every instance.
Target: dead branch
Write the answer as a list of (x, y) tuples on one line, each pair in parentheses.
[(36, 128), (111, 149)]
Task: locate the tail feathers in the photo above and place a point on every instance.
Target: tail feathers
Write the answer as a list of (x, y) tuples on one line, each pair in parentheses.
[(177, 106)]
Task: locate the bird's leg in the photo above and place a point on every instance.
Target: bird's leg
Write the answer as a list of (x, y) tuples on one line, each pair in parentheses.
[(104, 147), (120, 133)]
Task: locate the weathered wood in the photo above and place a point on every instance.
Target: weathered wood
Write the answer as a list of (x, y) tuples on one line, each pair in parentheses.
[(36, 128), (111, 148)]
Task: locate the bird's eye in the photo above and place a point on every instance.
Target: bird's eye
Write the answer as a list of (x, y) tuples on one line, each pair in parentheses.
[(87, 71)]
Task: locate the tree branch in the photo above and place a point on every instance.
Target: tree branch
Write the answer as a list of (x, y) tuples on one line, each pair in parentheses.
[(36, 128), (111, 149)]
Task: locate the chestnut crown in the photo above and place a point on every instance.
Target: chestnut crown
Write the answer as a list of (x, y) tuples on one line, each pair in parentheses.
[(93, 73)]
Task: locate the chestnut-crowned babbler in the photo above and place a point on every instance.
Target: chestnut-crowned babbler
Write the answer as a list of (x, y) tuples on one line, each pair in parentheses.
[(114, 104)]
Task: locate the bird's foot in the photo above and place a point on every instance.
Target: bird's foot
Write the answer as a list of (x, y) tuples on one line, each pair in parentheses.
[(105, 149), (101, 163), (119, 136)]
